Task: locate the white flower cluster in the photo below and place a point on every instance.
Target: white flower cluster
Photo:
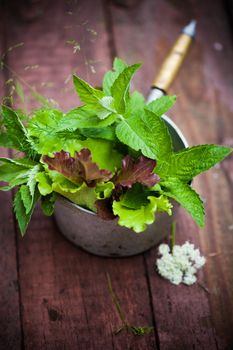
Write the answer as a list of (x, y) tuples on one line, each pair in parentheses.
[(180, 265)]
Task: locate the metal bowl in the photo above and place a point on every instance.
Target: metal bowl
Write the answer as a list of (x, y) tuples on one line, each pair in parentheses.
[(106, 238)]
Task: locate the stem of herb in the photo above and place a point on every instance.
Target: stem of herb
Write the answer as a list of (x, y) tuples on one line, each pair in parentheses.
[(116, 301), (173, 235)]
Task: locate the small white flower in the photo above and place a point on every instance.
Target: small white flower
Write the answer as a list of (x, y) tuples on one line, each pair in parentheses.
[(164, 249), (189, 279), (180, 265)]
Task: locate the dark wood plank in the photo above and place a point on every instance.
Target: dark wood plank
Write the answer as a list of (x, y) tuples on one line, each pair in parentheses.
[(183, 315), (10, 328), (64, 293)]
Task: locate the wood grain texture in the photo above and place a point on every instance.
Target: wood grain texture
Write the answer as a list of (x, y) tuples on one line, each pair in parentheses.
[(65, 302), (203, 111), (10, 328), (64, 292)]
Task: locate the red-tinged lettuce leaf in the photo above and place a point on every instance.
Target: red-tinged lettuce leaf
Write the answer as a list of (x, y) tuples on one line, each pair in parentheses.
[(78, 168), (137, 171), (104, 209)]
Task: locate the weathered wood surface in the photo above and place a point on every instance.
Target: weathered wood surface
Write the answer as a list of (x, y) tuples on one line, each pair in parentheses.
[(10, 329), (203, 112), (63, 301)]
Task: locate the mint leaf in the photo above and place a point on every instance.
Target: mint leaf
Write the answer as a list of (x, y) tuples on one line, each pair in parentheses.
[(120, 87), (186, 196), (86, 92), (149, 135), (134, 133), (162, 145), (83, 117), (135, 105), (22, 216), (161, 105), (192, 161), (111, 76)]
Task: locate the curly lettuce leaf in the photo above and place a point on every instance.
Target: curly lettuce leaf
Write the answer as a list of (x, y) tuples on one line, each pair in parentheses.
[(44, 183), (84, 196), (78, 168), (104, 153), (138, 219), (104, 190), (140, 171)]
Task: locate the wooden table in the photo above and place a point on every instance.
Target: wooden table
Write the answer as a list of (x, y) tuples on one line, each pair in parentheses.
[(54, 295)]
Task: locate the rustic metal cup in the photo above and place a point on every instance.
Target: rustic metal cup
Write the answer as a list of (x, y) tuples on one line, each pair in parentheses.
[(106, 238)]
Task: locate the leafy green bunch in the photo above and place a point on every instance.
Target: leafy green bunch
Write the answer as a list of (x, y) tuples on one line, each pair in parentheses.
[(113, 155)]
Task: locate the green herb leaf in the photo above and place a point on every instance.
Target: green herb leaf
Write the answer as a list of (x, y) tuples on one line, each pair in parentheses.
[(120, 87), (22, 216), (186, 196), (192, 161), (26, 198), (16, 132), (86, 92), (149, 135), (5, 141), (134, 133), (107, 133), (83, 117), (110, 76), (162, 145), (161, 105), (135, 105), (47, 203)]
